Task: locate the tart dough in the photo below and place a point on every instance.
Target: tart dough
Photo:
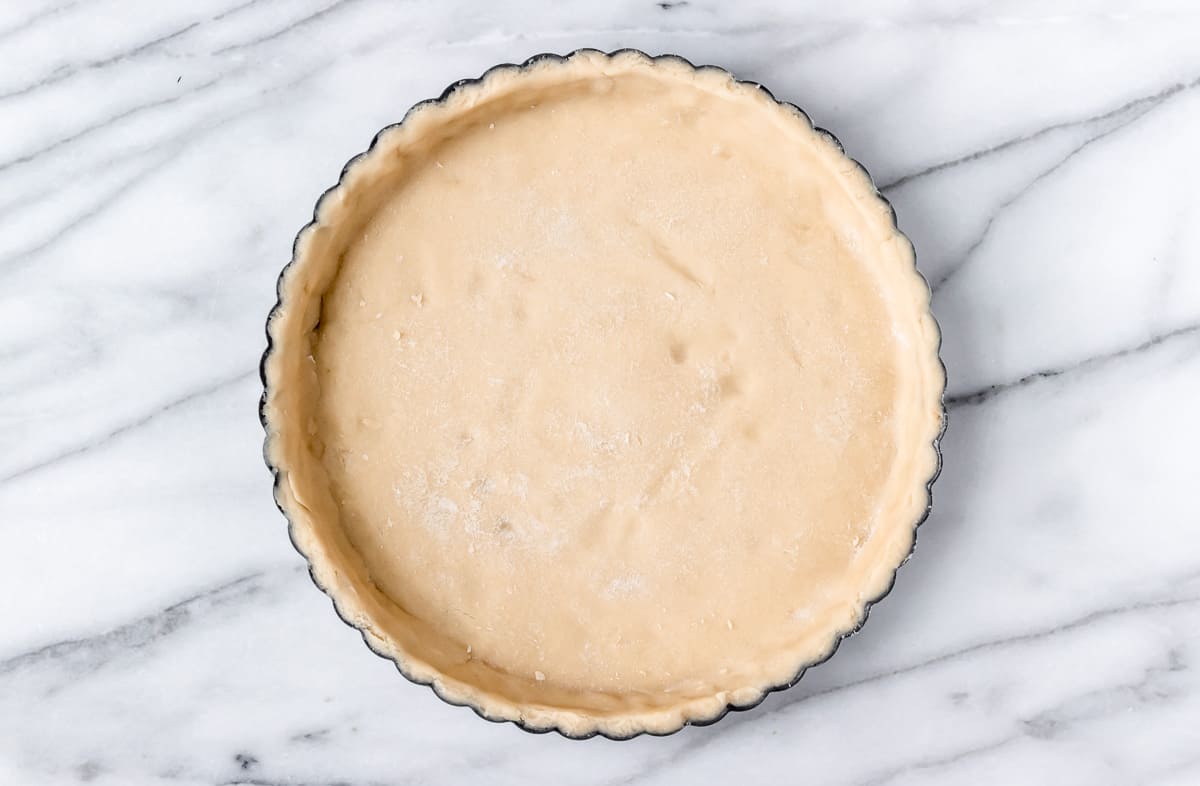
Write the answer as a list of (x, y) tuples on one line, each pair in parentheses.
[(603, 394)]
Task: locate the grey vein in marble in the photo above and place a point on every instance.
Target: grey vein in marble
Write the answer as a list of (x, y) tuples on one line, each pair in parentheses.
[(971, 398)]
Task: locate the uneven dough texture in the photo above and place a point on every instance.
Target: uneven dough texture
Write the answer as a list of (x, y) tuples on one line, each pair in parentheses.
[(604, 394)]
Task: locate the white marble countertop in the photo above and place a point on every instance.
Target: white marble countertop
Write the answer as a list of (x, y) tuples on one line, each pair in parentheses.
[(156, 160)]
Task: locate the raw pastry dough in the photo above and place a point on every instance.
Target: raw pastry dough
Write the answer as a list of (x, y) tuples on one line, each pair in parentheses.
[(603, 394)]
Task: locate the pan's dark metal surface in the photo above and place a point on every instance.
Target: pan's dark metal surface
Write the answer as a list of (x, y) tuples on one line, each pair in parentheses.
[(450, 90)]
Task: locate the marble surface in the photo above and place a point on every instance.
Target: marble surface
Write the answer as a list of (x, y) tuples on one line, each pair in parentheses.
[(156, 160)]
